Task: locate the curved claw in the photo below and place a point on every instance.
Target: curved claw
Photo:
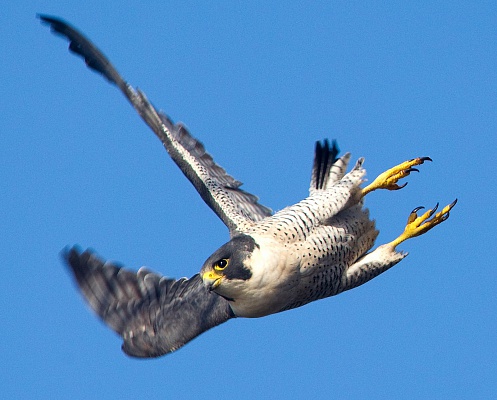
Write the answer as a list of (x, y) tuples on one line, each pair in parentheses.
[(413, 215), (418, 225), (451, 205), (388, 179), (397, 187), (447, 210), (417, 209), (433, 210)]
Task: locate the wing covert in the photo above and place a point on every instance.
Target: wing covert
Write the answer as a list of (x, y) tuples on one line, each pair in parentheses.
[(154, 315), (222, 193)]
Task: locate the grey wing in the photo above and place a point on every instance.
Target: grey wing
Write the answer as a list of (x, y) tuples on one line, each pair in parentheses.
[(327, 167), (219, 190), (154, 315)]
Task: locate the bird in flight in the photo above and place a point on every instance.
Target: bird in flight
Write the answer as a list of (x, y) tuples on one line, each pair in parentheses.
[(316, 248)]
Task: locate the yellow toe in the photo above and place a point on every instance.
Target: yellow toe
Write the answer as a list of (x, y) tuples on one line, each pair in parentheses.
[(418, 225), (388, 179)]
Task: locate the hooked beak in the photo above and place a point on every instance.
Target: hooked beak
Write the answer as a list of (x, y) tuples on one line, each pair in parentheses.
[(211, 279)]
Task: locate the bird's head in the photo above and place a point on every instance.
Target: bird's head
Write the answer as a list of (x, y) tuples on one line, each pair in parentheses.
[(229, 266)]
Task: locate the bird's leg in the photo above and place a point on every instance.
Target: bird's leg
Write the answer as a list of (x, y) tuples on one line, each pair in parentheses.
[(385, 257), (416, 226), (388, 179)]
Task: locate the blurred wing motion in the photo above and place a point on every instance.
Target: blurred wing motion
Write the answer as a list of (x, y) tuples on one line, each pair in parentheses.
[(219, 190), (153, 314)]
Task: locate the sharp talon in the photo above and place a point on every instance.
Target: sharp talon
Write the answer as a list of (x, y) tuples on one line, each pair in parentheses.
[(388, 179), (418, 225), (400, 186), (417, 209), (413, 215), (433, 210), (451, 205)]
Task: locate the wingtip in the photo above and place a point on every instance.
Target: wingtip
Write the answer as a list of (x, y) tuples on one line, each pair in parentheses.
[(68, 252), (51, 20), (44, 17), (75, 258)]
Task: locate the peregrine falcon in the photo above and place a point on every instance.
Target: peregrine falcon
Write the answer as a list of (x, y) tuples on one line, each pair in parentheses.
[(316, 248)]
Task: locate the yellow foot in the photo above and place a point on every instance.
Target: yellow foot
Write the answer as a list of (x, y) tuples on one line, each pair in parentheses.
[(418, 225), (388, 179)]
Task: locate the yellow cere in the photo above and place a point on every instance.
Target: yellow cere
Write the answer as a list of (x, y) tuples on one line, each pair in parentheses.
[(212, 276)]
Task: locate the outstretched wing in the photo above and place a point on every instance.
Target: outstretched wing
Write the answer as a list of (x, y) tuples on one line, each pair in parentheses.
[(219, 190), (154, 315)]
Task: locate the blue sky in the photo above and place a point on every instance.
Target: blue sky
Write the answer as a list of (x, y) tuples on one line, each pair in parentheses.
[(258, 84)]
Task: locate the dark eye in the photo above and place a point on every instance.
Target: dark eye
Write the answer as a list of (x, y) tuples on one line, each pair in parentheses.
[(221, 264)]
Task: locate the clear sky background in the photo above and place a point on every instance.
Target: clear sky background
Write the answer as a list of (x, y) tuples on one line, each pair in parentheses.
[(258, 84)]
